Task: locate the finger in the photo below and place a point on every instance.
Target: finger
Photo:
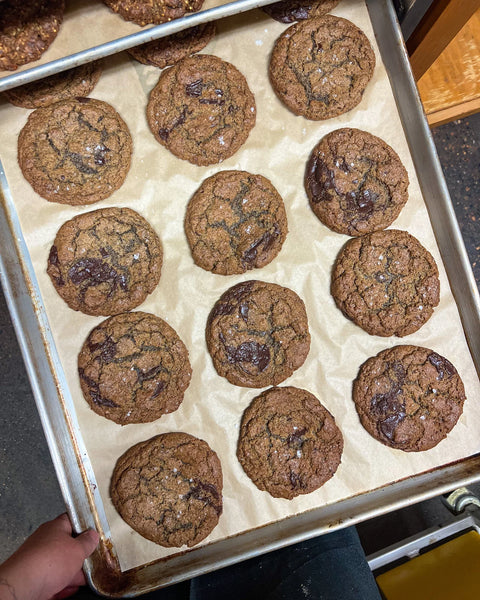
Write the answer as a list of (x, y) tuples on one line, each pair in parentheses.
[(63, 523), (87, 542)]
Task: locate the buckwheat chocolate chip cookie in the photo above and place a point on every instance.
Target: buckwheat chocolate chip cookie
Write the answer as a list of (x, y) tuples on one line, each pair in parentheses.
[(27, 29), (319, 68), (408, 397), (75, 151), (289, 443), (235, 221), (106, 261), (143, 12), (169, 489), (201, 109), (257, 334), (77, 82), (133, 368), (168, 50), (386, 282), (356, 183), (288, 11)]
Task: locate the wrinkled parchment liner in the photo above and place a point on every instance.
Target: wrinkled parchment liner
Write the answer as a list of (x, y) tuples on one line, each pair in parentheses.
[(159, 187)]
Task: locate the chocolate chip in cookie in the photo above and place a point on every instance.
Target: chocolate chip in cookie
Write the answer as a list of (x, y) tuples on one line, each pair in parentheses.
[(257, 334), (289, 443), (133, 368), (75, 151), (235, 221), (408, 397), (319, 68), (356, 183), (289, 11), (386, 282), (201, 109), (106, 261), (169, 489)]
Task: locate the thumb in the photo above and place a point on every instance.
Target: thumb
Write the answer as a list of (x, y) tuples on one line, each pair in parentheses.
[(86, 542)]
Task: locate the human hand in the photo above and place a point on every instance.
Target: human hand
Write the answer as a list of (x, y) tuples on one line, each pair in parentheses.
[(49, 564)]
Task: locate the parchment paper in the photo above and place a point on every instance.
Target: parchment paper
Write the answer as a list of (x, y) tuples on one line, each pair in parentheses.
[(159, 186)]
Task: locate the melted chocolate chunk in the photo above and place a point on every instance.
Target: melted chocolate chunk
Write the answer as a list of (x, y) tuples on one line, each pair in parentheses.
[(93, 271), (78, 162), (267, 239), (53, 260), (443, 366), (203, 492), (249, 352), (108, 349), (296, 438), (158, 390), (195, 88), (229, 301), (94, 391)]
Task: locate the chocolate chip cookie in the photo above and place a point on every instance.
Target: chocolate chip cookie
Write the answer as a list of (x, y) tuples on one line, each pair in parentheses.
[(235, 221), (169, 489), (201, 109), (144, 12), (27, 29), (257, 334), (168, 50), (319, 68), (106, 261), (289, 443), (289, 11), (386, 282), (75, 151), (408, 397), (133, 368), (77, 82), (356, 183)]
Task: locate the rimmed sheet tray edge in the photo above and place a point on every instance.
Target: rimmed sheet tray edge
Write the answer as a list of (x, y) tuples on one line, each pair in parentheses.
[(75, 476)]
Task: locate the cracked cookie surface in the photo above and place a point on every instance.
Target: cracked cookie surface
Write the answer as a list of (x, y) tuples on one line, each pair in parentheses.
[(77, 82), (319, 68), (201, 109), (168, 50), (408, 397), (386, 282), (289, 443), (106, 261), (289, 11), (355, 182), (27, 29), (235, 221), (75, 151), (144, 12), (169, 489), (133, 368), (257, 334)]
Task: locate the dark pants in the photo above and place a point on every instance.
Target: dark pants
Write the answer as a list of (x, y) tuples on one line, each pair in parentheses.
[(329, 567)]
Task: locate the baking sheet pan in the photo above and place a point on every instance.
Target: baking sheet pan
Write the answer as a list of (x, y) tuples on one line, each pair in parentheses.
[(82, 492)]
